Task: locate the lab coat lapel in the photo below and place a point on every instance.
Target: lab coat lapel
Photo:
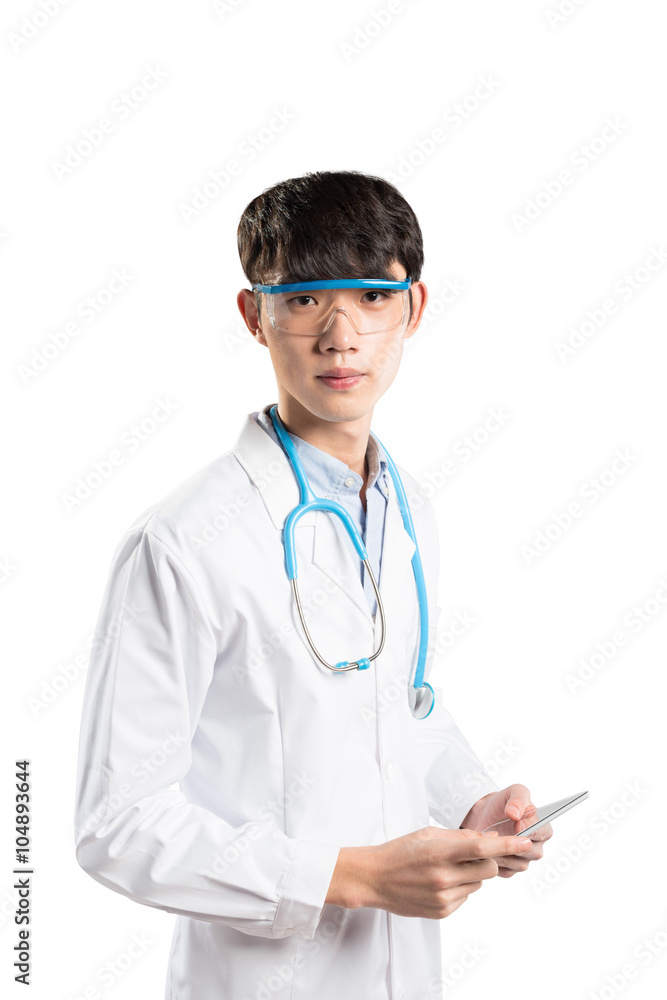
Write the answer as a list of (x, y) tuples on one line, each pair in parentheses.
[(330, 553), (397, 584), (266, 464), (397, 552), (269, 470), (272, 475)]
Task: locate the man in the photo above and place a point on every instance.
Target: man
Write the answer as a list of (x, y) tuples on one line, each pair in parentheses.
[(280, 808)]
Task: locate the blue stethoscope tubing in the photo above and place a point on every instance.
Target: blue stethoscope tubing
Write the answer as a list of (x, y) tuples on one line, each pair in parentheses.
[(421, 694)]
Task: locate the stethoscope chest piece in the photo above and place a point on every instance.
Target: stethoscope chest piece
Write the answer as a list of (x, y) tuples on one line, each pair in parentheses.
[(421, 700)]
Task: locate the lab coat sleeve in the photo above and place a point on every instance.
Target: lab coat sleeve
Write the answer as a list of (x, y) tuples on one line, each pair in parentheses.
[(454, 776), (135, 831)]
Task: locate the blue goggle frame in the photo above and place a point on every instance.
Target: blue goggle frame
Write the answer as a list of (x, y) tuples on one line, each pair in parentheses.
[(304, 286)]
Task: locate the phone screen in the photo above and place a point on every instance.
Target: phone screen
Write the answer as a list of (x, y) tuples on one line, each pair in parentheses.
[(536, 819)]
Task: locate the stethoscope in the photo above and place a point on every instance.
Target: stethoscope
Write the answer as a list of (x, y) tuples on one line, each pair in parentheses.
[(420, 694)]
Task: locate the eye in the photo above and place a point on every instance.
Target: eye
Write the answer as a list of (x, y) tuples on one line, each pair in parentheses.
[(377, 292), (299, 300)]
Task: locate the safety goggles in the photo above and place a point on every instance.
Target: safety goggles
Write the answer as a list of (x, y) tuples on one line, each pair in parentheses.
[(308, 307)]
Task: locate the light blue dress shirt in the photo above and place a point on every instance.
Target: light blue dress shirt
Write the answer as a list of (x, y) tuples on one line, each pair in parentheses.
[(330, 477)]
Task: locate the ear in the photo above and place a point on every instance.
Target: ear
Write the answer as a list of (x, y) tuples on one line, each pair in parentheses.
[(247, 304), (419, 300)]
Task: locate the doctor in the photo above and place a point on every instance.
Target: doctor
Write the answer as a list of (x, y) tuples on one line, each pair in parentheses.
[(281, 809)]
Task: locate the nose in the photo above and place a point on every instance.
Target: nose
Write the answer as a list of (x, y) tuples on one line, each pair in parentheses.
[(339, 332)]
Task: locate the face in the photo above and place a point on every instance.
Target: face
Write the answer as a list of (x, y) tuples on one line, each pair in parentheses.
[(340, 375)]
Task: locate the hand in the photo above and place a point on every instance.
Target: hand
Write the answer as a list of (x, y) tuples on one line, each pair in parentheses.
[(427, 873), (511, 803)]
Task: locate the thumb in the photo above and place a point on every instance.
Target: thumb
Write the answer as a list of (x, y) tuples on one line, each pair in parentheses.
[(518, 802)]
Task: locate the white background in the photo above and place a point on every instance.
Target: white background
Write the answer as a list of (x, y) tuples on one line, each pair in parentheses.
[(365, 97)]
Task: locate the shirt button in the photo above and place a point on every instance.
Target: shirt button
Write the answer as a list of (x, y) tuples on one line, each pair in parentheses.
[(349, 481), (389, 771)]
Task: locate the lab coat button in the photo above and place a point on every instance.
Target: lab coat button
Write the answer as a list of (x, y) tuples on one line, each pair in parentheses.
[(389, 771), (349, 481)]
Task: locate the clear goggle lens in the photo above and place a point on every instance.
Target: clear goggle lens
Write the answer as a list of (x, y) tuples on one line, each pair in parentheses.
[(309, 308)]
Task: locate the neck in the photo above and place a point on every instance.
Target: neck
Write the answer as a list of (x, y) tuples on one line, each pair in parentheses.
[(346, 440)]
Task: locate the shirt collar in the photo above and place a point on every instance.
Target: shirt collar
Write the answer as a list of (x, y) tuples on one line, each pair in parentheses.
[(329, 476)]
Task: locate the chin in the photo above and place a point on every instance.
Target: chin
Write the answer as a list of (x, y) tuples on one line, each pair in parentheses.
[(336, 408)]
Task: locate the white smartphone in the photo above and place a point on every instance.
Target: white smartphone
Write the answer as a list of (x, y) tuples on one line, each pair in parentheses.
[(507, 827)]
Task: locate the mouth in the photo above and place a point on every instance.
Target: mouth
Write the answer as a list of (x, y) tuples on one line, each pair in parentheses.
[(341, 378)]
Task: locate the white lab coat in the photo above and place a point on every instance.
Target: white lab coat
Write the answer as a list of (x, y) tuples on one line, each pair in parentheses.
[(221, 766)]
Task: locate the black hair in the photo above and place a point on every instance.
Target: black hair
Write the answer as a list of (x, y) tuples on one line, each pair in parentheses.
[(329, 224)]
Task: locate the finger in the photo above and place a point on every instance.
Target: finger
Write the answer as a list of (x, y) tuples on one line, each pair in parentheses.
[(455, 905), (518, 800), (479, 868), (506, 872), (513, 847), (544, 833), (464, 889), (513, 863), (522, 824), (489, 847)]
